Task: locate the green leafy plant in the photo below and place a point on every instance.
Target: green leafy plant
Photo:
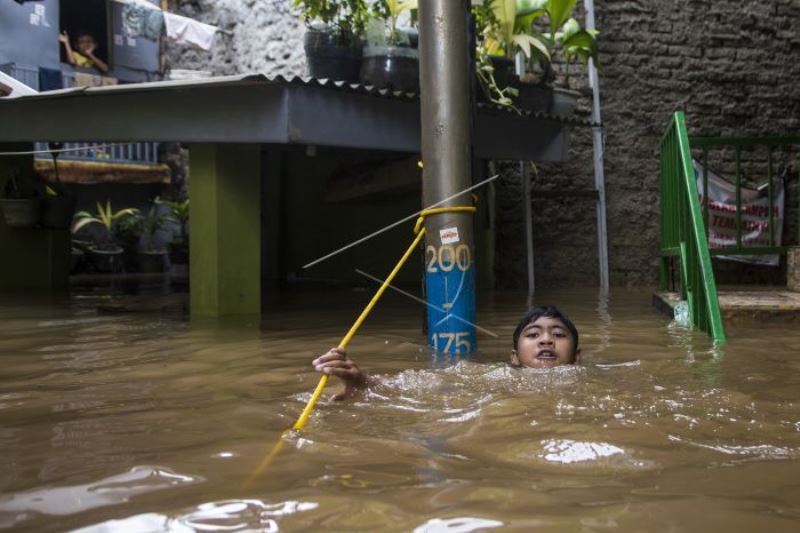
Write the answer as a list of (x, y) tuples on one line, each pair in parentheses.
[(179, 214), (341, 15), (150, 223), (106, 217), (508, 32), (389, 12), (564, 35), (540, 29)]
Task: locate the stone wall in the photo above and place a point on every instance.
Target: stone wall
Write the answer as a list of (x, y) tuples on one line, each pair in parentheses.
[(731, 65), (262, 36)]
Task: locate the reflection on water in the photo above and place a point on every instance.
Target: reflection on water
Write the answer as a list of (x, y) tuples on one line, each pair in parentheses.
[(130, 423)]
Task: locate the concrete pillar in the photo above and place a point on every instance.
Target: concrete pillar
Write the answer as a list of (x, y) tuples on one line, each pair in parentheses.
[(793, 268), (31, 259), (446, 154), (225, 230)]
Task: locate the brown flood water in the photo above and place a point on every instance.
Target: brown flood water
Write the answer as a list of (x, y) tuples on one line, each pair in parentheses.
[(142, 423)]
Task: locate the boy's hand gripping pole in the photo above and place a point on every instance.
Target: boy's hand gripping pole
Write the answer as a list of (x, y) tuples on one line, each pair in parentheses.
[(419, 229)]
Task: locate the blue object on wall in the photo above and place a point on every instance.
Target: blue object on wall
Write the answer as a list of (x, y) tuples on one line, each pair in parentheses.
[(135, 53), (50, 79), (29, 33)]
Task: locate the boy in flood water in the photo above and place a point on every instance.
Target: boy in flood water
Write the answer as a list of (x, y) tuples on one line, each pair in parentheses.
[(544, 338)]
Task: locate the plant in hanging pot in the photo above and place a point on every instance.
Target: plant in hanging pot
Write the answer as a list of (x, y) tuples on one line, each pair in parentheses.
[(105, 256), (58, 203), (21, 207), (568, 44), (541, 30), (333, 37), (179, 246), (151, 253), (502, 32), (391, 57)]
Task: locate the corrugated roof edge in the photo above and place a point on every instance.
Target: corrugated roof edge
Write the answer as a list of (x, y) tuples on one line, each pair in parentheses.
[(279, 79)]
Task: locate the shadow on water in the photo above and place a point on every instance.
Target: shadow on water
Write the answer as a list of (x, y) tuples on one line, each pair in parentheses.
[(143, 422)]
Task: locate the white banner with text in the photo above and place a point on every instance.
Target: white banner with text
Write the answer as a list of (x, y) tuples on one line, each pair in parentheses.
[(754, 216)]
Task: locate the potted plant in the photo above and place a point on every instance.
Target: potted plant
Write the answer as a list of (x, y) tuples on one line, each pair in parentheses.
[(567, 43), (105, 256), (179, 246), (151, 255), (21, 208), (519, 25), (128, 234), (501, 33), (391, 57), (58, 204), (333, 37)]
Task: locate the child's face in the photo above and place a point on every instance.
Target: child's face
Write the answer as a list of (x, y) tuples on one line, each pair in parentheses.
[(545, 343), (85, 43)]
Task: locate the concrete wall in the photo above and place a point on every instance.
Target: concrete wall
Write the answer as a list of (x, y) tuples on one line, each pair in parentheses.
[(730, 64)]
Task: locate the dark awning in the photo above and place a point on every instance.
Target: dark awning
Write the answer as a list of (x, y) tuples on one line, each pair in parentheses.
[(257, 109)]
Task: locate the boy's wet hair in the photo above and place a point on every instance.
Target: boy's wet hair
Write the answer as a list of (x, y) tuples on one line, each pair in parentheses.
[(549, 311)]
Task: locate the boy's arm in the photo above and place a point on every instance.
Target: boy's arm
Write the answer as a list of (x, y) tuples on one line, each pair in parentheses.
[(99, 64), (336, 363), (64, 38)]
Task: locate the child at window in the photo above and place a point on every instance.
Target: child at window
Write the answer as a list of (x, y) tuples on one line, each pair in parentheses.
[(83, 54)]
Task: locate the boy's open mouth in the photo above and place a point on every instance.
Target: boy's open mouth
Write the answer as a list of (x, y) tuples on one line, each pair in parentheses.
[(545, 354)]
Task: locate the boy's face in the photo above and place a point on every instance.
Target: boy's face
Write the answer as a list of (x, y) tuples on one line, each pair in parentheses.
[(85, 43), (545, 343)]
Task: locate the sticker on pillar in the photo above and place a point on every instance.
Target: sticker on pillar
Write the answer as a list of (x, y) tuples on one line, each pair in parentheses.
[(449, 235)]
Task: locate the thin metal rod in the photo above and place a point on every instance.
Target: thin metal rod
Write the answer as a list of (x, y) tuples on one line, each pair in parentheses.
[(395, 224), (526, 199), (705, 191), (420, 300), (738, 195), (771, 199), (599, 172)]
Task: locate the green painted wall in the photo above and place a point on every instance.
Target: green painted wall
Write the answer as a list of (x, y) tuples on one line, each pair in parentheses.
[(310, 226), (316, 226), (30, 259), (225, 252)]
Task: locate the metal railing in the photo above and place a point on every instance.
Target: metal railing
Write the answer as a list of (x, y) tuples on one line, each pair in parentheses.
[(131, 153), (683, 232), (769, 144)]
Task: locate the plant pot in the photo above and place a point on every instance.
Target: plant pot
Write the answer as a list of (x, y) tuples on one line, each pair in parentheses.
[(57, 211), (21, 213), (535, 98), (505, 75), (505, 72), (178, 254), (82, 245), (332, 55), (130, 257), (105, 259), (564, 103), (151, 261), (76, 259), (391, 67)]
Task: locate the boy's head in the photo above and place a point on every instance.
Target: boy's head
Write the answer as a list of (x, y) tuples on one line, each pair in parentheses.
[(545, 337), (84, 42)]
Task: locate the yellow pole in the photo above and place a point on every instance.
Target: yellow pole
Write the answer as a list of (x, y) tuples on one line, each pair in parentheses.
[(303, 418)]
